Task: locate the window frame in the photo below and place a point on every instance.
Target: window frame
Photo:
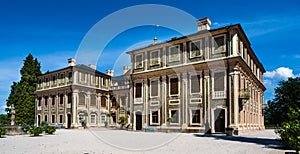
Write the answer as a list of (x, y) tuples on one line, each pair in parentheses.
[(158, 117), (136, 62), (158, 88), (178, 115), (191, 84), (192, 116), (200, 49), (216, 51), (158, 58), (214, 96), (178, 86), (178, 54), (93, 117)]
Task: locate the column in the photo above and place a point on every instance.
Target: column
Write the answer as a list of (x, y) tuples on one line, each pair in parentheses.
[(164, 100), (236, 95), (74, 109), (206, 100), (184, 101), (146, 88)]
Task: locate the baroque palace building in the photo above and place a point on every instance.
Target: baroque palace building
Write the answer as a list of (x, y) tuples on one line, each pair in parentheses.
[(203, 82)]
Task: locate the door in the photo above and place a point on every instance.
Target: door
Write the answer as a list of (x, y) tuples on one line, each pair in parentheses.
[(219, 120), (139, 121), (69, 121)]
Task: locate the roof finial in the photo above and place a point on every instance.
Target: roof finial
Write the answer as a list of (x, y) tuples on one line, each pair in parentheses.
[(155, 39)]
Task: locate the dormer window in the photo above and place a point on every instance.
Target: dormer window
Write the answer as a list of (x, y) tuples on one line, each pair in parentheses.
[(154, 58), (196, 49), (174, 53), (219, 44), (139, 61)]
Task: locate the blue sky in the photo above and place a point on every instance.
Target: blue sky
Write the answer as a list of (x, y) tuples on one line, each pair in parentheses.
[(52, 32)]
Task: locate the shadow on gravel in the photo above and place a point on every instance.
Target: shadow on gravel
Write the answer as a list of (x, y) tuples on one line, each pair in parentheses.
[(268, 143)]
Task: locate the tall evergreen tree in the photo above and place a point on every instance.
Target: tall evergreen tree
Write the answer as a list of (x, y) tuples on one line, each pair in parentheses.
[(22, 93)]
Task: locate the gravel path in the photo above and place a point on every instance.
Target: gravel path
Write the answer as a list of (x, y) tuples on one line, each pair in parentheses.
[(102, 141)]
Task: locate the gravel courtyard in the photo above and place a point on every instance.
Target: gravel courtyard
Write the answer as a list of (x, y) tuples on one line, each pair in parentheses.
[(103, 141)]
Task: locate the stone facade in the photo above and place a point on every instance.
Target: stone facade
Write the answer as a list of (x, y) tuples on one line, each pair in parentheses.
[(205, 82)]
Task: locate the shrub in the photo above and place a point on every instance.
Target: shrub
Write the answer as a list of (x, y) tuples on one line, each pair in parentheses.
[(290, 132), (36, 131), (2, 131), (26, 128), (49, 129), (122, 121)]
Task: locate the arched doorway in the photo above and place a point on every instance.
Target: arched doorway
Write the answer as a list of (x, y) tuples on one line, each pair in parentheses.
[(114, 118), (138, 120), (219, 120)]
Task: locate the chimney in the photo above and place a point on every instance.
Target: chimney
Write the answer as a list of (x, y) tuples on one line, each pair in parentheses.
[(92, 66), (71, 62), (110, 72), (204, 24), (125, 69)]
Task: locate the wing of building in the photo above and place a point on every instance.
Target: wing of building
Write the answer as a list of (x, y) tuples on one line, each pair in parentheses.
[(203, 82)]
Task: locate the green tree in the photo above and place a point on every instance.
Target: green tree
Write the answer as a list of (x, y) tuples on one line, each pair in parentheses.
[(4, 120), (22, 92), (290, 132), (287, 95)]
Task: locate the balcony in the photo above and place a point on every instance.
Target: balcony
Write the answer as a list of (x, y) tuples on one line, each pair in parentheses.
[(218, 94), (244, 94)]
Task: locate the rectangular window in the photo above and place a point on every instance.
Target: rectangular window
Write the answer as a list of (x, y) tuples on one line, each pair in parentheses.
[(61, 99), (47, 82), (60, 118), (62, 79), (196, 49), (154, 117), (154, 58), (174, 53), (39, 101), (219, 43), (46, 118), (195, 84), (93, 119), (54, 80), (93, 80), (46, 101), (196, 116), (104, 82), (219, 84), (139, 61), (103, 119), (103, 101), (82, 77), (138, 90), (174, 114), (174, 86), (70, 77), (53, 119), (53, 100), (69, 98), (154, 88)]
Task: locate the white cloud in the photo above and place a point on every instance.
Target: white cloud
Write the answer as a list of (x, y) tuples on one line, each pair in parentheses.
[(281, 73)]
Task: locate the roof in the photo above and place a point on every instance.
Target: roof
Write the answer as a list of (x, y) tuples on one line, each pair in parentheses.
[(79, 66)]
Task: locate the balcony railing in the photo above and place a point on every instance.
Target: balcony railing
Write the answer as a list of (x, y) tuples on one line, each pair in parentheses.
[(218, 94)]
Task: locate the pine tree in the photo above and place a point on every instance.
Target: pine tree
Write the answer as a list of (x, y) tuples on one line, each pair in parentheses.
[(22, 93)]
